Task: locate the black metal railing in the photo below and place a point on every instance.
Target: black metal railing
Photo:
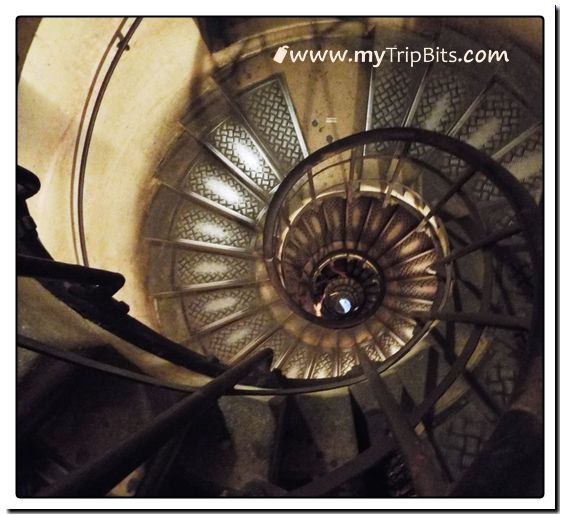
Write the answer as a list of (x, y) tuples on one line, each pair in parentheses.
[(98, 477), (278, 219), (93, 299)]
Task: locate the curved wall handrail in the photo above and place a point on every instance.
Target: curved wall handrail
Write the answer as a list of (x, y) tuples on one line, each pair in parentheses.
[(119, 44)]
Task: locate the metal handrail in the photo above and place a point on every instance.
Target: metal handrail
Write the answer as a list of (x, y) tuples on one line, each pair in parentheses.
[(97, 478), (523, 204), (31, 266), (95, 304), (517, 195)]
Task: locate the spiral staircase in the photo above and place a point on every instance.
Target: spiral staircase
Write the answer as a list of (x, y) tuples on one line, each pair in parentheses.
[(393, 269)]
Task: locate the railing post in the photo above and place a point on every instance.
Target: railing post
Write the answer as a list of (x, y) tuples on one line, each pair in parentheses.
[(426, 474)]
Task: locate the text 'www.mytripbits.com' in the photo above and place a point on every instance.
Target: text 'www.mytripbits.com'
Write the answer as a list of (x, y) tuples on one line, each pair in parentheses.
[(392, 55)]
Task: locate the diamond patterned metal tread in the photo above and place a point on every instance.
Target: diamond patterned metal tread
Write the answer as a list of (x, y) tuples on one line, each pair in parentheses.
[(267, 108), (402, 328), (199, 267), (418, 289), (348, 361), (498, 373), (233, 141), (461, 438), (415, 265), (373, 352), (442, 100), (279, 342), (391, 93), (357, 217), (445, 97), (199, 224), (414, 244), (205, 308), (211, 179), (497, 120), (297, 362), (323, 366), (525, 162), (228, 341), (399, 225)]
